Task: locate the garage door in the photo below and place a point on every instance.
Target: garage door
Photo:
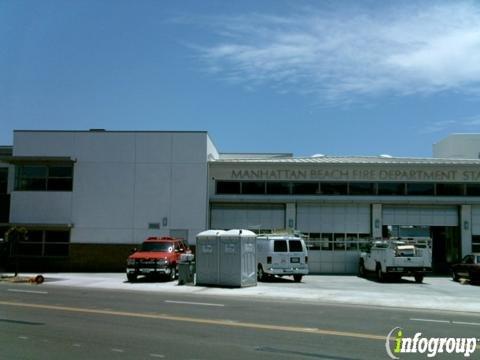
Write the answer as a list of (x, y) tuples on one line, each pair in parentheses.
[(314, 218), (420, 215), (247, 216)]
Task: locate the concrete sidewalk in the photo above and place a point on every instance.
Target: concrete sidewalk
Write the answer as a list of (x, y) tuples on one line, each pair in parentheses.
[(436, 293)]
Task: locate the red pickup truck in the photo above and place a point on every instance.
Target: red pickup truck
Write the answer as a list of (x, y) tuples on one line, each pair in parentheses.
[(158, 256)]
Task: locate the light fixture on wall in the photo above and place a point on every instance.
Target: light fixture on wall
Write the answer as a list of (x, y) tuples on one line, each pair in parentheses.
[(165, 221), (466, 225), (290, 223), (377, 223)]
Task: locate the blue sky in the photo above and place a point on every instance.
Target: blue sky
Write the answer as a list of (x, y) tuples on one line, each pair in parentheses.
[(308, 77)]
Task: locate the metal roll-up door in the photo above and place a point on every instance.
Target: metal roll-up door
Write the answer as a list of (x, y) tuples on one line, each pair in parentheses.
[(333, 218), (420, 215), (247, 216), (476, 220)]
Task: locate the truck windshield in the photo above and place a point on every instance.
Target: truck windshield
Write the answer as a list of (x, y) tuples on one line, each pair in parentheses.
[(295, 245), (153, 246)]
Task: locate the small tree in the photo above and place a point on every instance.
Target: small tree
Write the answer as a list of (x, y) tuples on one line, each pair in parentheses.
[(13, 237)]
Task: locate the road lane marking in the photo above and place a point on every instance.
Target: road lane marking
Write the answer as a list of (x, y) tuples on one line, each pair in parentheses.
[(27, 291), (432, 320), (256, 326), (465, 323), (118, 350), (192, 303), (160, 356)]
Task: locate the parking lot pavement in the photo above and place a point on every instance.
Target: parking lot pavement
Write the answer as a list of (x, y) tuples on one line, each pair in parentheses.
[(436, 293)]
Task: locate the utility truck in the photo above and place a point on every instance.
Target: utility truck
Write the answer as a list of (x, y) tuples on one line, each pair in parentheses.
[(397, 257)]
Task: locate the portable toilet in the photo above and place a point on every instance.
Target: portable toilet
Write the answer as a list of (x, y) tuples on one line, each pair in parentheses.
[(226, 258)]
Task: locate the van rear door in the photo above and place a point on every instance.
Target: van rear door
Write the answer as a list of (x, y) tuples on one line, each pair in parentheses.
[(297, 252), (280, 254)]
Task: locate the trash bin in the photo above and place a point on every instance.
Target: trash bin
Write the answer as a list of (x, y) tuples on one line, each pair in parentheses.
[(186, 269)]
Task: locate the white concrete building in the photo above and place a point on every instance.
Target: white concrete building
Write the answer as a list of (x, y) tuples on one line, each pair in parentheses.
[(88, 197)]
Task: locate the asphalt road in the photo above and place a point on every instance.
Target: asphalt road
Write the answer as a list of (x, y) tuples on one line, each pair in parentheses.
[(75, 323)]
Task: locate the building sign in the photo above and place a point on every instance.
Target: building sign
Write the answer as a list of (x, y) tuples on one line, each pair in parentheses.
[(357, 174)]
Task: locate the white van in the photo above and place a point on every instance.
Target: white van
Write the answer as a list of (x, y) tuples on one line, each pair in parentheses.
[(281, 255)]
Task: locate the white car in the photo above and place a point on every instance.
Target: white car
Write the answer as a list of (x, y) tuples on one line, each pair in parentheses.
[(281, 255)]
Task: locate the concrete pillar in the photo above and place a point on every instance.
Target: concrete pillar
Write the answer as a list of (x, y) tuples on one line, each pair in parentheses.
[(466, 229), (377, 221), (290, 216)]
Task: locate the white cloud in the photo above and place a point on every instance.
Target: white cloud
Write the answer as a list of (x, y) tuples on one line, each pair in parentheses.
[(343, 53)]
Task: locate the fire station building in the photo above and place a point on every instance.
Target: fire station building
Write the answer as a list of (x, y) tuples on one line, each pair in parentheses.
[(87, 197)]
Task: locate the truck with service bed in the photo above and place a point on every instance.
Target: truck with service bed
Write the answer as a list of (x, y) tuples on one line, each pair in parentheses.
[(397, 257)]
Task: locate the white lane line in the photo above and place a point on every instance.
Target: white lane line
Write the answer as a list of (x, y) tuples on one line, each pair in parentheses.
[(23, 337), (160, 356), (465, 323), (118, 350), (432, 320), (192, 303), (28, 291)]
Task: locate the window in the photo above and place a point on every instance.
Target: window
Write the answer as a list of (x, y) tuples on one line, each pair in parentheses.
[(362, 188), (476, 243), (391, 189), (446, 189), (295, 245), (52, 243), (278, 188), (280, 246), (473, 189), (253, 187), (43, 178), (228, 187), (3, 180), (334, 188), (305, 188), (420, 189)]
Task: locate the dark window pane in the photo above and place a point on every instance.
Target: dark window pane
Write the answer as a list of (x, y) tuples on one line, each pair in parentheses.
[(362, 189), (29, 249), (60, 171), (278, 188), (253, 187), (35, 236), (473, 189), (59, 184), (334, 188), (280, 246), (391, 189), (305, 188), (450, 189), (30, 171), (4, 209), (57, 236), (420, 189), (3, 180), (295, 245), (228, 187), (56, 249)]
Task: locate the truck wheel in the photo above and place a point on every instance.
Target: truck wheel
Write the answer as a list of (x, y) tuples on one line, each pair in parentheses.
[(455, 277), (380, 276), (261, 274), (132, 277), (361, 269), (297, 277), (173, 274), (419, 278)]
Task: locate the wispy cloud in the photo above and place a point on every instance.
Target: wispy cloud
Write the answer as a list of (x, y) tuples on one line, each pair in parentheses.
[(468, 124), (342, 54)]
